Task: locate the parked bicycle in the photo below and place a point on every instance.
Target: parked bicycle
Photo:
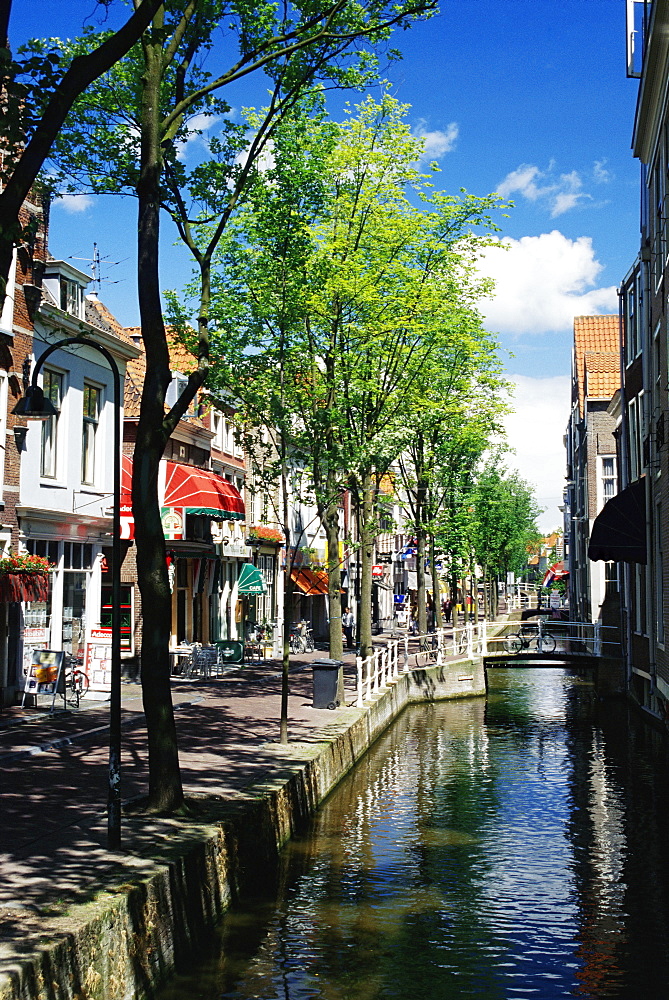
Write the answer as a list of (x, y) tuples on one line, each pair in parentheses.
[(76, 679), (301, 639), (530, 637), (428, 654)]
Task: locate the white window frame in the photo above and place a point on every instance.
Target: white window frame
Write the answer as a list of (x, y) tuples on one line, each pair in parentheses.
[(57, 464), (96, 423), (605, 477)]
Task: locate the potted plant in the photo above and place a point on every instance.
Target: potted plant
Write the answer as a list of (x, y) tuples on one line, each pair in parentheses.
[(262, 533)]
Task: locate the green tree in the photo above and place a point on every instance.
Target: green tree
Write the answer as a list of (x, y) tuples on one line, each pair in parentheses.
[(337, 279), (505, 520), (126, 136), (464, 398)]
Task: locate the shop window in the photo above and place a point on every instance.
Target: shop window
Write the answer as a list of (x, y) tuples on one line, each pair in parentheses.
[(89, 432), (52, 385), (37, 614), (74, 612), (77, 555)]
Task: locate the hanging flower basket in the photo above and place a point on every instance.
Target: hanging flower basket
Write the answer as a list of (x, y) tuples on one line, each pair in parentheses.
[(24, 578), (23, 587)]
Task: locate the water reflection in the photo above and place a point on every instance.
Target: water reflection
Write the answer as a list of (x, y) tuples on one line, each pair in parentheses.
[(505, 848)]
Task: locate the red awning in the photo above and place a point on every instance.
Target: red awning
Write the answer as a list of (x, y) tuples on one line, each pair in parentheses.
[(195, 491), (312, 584), (201, 492)]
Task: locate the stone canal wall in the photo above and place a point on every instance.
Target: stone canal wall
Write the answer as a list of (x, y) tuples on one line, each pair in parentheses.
[(179, 876)]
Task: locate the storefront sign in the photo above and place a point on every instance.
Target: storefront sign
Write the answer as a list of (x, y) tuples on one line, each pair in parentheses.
[(173, 523), (101, 635), (44, 674), (35, 635), (377, 571)]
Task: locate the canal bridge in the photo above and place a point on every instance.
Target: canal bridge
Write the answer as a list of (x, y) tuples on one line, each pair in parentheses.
[(540, 642)]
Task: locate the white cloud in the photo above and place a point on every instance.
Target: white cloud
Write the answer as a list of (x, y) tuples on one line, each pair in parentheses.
[(600, 172), (535, 430), (197, 125), (559, 193), (542, 282), (437, 141), (75, 203)]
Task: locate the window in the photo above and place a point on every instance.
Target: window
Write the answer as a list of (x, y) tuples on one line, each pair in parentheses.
[(635, 457), (52, 385), (265, 602), (217, 430), (89, 432), (608, 478), (70, 297)]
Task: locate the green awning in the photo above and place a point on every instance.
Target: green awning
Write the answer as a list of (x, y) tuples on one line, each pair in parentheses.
[(251, 580)]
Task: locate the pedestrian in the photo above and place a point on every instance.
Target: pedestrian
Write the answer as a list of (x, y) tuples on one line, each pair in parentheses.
[(347, 623)]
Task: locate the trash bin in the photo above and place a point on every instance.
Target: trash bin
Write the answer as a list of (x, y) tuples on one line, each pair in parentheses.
[(230, 651), (328, 681)]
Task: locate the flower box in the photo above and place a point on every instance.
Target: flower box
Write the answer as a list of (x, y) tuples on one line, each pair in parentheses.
[(23, 587), (261, 533)]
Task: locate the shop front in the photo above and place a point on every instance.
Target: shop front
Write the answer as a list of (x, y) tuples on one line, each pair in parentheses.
[(195, 504), (70, 615)]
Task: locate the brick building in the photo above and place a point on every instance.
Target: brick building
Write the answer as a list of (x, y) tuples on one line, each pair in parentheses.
[(591, 458)]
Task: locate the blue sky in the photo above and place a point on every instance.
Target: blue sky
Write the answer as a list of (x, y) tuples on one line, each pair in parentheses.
[(525, 97)]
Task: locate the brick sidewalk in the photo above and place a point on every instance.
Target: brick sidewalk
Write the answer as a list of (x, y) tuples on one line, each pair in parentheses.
[(54, 776)]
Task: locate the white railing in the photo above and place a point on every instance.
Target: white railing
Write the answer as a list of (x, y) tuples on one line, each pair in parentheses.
[(380, 668), (465, 642), (548, 636), (386, 663)]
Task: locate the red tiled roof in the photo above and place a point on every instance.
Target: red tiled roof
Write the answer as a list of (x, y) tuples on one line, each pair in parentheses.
[(602, 374), (596, 335)]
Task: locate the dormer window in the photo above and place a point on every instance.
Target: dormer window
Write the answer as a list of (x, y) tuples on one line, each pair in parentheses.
[(70, 297), (65, 287)]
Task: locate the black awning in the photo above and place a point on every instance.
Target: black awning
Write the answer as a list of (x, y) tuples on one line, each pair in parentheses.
[(619, 531)]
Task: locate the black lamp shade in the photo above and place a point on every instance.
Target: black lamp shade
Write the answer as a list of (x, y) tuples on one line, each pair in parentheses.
[(34, 405)]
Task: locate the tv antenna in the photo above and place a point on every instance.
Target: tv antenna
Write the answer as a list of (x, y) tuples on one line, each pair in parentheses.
[(96, 263)]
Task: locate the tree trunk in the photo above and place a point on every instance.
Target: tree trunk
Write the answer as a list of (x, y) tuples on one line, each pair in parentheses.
[(367, 537), (165, 788), (288, 592)]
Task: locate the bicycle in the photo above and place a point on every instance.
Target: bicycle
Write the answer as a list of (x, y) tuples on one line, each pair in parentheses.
[(428, 654), (296, 643), (76, 679), (307, 637), (529, 637), (301, 639)]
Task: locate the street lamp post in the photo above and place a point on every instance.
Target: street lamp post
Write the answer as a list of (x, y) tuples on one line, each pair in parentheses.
[(33, 406)]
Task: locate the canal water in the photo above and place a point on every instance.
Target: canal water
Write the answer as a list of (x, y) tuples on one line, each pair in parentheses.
[(508, 848)]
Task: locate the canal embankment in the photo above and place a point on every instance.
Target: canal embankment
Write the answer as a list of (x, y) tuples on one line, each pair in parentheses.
[(78, 922)]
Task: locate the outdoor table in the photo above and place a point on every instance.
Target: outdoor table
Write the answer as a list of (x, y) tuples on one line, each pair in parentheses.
[(180, 658)]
